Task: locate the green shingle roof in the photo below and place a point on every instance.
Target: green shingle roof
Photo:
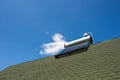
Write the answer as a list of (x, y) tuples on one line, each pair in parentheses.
[(100, 62)]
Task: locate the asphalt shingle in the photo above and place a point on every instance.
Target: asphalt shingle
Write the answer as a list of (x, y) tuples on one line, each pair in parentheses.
[(100, 62)]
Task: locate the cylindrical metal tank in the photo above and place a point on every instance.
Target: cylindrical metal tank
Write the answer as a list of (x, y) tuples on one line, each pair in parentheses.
[(84, 40)]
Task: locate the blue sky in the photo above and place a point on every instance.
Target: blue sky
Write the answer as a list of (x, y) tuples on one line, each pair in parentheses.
[(27, 24)]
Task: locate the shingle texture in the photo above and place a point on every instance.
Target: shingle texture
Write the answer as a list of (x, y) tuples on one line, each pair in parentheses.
[(100, 62)]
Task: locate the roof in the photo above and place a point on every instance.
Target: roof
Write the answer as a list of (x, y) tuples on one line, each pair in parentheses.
[(100, 62)]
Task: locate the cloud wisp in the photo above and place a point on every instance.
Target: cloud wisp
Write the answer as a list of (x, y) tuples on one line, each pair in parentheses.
[(54, 47)]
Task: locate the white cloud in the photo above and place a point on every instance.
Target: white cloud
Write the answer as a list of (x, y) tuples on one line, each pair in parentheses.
[(53, 47)]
